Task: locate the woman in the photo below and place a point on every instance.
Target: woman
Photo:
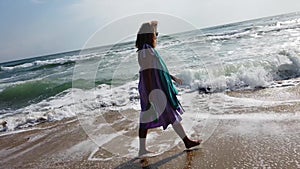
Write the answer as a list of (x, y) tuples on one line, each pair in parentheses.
[(159, 104)]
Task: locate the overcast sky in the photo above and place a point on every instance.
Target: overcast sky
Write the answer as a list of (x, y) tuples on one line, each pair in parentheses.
[(32, 28)]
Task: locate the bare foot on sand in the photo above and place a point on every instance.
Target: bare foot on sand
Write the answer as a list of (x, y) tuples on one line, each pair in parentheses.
[(144, 153), (190, 143)]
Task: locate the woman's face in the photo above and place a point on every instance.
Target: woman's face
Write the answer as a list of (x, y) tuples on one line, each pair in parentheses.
[(155, 39)]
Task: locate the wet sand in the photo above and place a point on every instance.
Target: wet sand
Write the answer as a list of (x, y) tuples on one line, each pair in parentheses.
[(236, 143)]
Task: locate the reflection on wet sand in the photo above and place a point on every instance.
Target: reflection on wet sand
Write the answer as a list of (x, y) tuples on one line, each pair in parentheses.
[(189, 157)]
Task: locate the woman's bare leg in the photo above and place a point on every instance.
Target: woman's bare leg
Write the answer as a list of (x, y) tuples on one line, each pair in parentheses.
[(180, 131), (142, 140)]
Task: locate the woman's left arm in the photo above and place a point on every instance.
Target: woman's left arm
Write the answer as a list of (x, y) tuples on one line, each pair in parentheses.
[(177, 80)]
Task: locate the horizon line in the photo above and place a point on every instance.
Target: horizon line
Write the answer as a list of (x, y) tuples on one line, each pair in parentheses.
[(106, 45)]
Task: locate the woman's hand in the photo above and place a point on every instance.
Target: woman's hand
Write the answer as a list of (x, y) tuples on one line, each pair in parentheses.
[(177, 80)]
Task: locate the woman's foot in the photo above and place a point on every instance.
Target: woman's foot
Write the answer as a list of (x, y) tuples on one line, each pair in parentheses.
[(190, 143), (144, 152)]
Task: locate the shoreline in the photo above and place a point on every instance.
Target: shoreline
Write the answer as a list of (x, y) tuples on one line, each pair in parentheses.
[(236, 143)]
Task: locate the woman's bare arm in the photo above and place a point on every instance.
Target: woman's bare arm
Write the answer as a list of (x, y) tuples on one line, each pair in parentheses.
[(177, 80)]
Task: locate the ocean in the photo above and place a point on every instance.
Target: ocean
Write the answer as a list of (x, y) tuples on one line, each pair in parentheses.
[(248, 70)]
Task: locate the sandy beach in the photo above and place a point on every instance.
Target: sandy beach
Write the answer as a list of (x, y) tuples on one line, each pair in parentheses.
[(236, 143)]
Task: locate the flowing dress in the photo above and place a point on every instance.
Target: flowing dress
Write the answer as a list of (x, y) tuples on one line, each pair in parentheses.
[(159, 104)]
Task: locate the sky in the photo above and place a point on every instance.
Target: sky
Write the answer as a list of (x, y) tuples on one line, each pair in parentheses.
[(31, 28)]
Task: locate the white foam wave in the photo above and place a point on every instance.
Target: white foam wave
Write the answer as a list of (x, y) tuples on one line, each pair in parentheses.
[(62, 60), (25, 65), (289, 67), (229, 35), (256, 31), (249, 74), (243, 78), (288, 22), (255, 77), (62, 105)]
